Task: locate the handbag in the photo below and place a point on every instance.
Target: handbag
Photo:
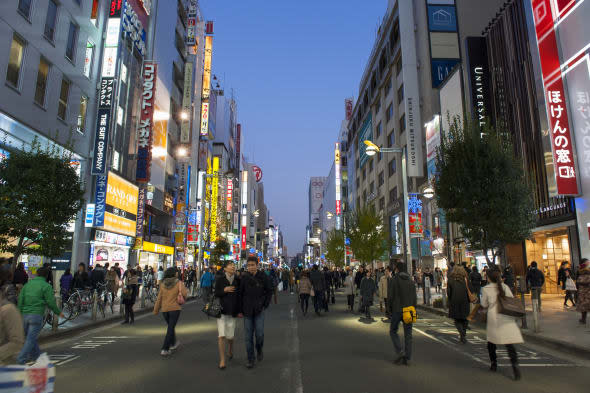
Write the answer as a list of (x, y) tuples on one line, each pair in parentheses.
[(312, 292), (570, 285), (212, 308), (478, 314), (180, 299), (409, 315), (472, 297), (510, 306)]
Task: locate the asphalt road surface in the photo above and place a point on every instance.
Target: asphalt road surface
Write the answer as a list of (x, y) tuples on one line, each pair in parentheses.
[(333, 353)]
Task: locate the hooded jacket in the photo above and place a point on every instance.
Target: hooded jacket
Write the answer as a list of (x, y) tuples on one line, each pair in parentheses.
[(168, 294), (401, 293)]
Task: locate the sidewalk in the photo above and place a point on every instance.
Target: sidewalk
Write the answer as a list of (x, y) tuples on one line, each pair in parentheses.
[(558, 327)]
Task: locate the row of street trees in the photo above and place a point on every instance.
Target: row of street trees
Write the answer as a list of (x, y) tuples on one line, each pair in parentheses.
[(481, 186)]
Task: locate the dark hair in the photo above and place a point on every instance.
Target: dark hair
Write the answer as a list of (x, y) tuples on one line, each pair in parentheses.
[(252, 258), (496, 277), (474, 269), (43, 272), (400, 266), (5, 274), (226, 264), (533, 264), (68, 272), (170, 272), (20, 266)]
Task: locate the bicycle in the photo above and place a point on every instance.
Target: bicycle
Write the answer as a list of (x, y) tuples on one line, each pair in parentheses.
[(151, 294), (80, 301)]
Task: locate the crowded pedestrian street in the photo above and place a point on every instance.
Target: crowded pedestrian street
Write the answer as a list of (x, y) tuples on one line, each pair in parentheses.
[(332, 353)]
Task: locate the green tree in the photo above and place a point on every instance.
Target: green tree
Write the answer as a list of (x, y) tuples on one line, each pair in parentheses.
[(221, 248), (482, 186), (335, 247), (40, 193), (368, 238)]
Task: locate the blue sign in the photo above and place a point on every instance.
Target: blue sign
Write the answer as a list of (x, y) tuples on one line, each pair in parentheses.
[(4, 154), (260, 254), (441, 69), (89, 219), (442, 18), (252, 251), (347, 241), (100, 199)]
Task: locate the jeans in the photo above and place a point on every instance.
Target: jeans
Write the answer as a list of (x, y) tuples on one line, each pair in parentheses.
[(32, 324), (304, 302), (171, 318), (511, 353), (318, 301), (254, 326), (396, 319), (536, 294)]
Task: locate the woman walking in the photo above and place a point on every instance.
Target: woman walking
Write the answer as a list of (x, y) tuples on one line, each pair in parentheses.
[(226, 290), (368, 290), (501, 329), (65, 285), (583, 284), (349, 289), (475, 282), (459, 301), (171, 291), (304, 292)]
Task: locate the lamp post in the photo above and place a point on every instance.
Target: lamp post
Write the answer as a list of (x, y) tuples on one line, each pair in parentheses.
[(373, 149)]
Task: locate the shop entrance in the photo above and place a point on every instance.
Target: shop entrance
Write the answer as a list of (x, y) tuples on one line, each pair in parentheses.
[(549, 249)]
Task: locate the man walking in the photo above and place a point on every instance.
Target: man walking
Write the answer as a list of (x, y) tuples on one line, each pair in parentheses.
[(33, 298), (318, 282), (401, 294), (207, 280), (535, 280), (254, 297)]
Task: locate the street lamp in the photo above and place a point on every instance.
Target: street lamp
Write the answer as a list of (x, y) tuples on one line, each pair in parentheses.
[(256, 213), (183, 115)]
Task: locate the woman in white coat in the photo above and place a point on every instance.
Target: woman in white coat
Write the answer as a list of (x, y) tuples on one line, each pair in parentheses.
[(349, 289), (501, 329)]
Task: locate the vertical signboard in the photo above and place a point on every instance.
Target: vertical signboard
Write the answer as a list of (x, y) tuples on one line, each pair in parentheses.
[(557, 108), (337, 162), (185, 129), (100, 200), (479, 79), (144, 132), (139, 222), (214, 198), (348, 108), (230, 194), (238, 143), (191, 23), (444, 39), (415, 216), (244, 207), (415, 167), (103, 124)]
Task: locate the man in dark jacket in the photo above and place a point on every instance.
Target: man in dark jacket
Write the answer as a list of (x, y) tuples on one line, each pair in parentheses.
[(97, 276), (225, 289), (401, 293), (81, 280), (318, 282), (254, 296), (535, 280)]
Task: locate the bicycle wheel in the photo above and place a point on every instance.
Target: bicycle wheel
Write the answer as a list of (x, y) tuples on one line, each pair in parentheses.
[(69, 313)]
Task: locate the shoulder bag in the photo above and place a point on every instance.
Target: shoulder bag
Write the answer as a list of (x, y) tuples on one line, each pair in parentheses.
[(180, 299), (478, 314), (212, 307), (472, 297), (570, 285), (510, 306)]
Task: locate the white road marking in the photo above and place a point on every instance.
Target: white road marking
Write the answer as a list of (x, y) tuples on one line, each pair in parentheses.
[(292, 371), (454, 348), (69, 360)]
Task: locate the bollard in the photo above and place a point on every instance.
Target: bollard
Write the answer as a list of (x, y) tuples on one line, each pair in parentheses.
[(55, 320), (94, 305), (524, 323), (142, 302)]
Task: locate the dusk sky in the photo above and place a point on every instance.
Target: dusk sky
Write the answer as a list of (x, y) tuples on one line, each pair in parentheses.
[(291, 64)]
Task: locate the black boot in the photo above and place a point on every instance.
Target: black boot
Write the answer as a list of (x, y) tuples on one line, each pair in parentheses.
[(516, 371), (494, 367)]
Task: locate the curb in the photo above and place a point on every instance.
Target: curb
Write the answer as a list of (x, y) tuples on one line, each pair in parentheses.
[(528, 335), (52, 336)]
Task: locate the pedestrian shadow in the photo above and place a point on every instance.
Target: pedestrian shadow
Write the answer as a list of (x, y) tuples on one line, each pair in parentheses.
[(367, 321)]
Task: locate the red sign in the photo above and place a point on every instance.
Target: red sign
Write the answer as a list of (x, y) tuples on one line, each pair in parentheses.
[(243, 238), (348, 108), (145, 127), (257, 173), (209, 27), (416, 227), (192, 234), (338, 208), (561, 140)]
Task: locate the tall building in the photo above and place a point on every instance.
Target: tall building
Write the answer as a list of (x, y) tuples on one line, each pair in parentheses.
[(315, 196)]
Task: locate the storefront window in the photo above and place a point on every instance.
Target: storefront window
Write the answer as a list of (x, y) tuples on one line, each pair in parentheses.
[(549, 249)]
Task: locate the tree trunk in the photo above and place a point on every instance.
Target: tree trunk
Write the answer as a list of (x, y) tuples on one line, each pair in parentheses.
[(17, 253)]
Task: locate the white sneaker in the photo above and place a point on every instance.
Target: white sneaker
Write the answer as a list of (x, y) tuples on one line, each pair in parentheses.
[(175, 346), (165, 352)]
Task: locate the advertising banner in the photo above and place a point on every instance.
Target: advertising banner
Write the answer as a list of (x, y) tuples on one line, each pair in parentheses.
[(133, 20), (230, 194), (191, 23), (100, 196), (145, 135), (207, 68), (337, 161), (101, 141), (204, 119), (348, 108), (557, 108), (214, 198), (140, 213), (366, 134), (479, 78), (122, 198), (185, 130), (444, 38), (257, 173)]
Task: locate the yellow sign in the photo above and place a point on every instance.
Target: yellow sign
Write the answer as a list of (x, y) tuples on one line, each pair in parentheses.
[(158, 248), (207, 68), (214, 198), (121, 205)]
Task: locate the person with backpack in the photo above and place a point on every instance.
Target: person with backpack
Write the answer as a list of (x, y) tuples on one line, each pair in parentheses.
[(500, 329), (401, 295), (171, 297), (33, 299), (226, 286), (254, 296)]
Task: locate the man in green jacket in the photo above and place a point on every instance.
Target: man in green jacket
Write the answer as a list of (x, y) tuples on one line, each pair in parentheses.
[(34, 297)]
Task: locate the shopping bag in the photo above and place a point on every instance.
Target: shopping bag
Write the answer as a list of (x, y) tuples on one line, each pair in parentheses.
[(280, 286), (38, 378), (570, 285)]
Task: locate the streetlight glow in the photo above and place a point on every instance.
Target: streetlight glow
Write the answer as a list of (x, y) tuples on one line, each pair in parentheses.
[(371, 149), (428, 193)]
